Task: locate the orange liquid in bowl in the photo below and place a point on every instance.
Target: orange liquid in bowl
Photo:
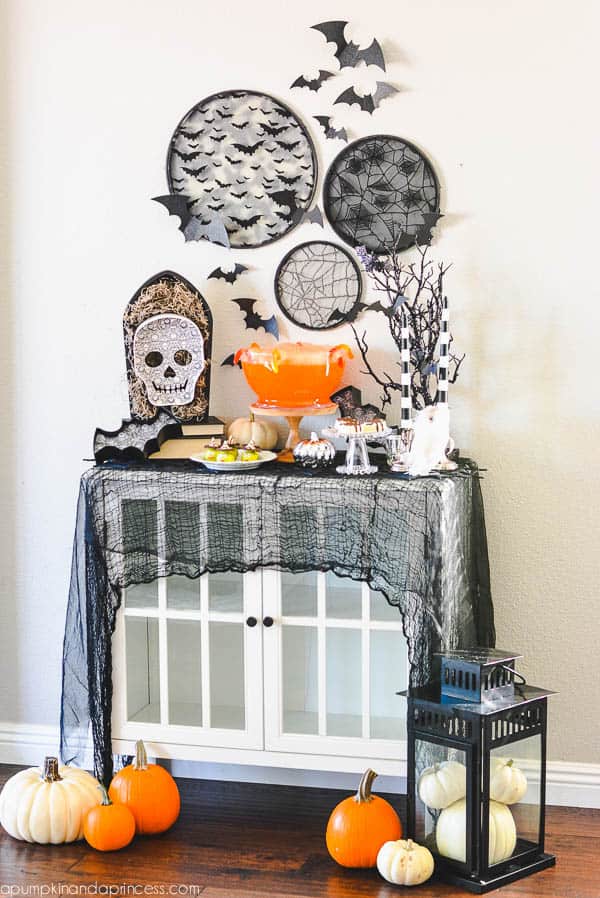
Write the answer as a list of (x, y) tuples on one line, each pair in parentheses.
[(294, 375)]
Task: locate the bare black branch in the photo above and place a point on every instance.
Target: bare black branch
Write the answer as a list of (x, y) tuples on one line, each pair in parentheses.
[(417, 288)]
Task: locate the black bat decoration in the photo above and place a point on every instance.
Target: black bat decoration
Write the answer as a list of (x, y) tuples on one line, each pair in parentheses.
[(369, 102), (254, 320), (248, 151), (289, 180), (314, 84), (314, 216), (187, 157), (239, 196), (348, 53), (246, 223), (229, 276), (219, 138), (216, 208), (191, 135), (331, 133), (233, 161), (230, 360), (223, 183), (290, 146), (273, 131), (191, 226), (285, 198)]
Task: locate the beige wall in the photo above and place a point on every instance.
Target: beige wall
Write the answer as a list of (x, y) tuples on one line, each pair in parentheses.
[(502, 96)]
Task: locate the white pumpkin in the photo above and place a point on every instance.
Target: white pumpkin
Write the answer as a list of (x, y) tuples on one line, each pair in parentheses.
[(405, 863), (508, 783), (245, 430), (443, 784), (451, 837), (49, 804)]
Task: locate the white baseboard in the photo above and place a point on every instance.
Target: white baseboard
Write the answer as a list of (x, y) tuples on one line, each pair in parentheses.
[(567, 783)]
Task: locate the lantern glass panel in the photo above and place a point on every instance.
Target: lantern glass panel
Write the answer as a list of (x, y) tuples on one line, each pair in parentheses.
[(439, 784), (515, 783)]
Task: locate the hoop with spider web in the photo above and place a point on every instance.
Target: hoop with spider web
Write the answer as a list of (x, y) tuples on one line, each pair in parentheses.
[(381, 191), (318, 285)]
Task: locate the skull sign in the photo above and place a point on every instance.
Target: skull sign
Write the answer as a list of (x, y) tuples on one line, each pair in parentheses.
[(168, 356)]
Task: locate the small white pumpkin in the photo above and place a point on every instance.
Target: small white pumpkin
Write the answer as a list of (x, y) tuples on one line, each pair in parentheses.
[(508, 783), (404, 863), (451, 836), (49, 804), (246, 430), (443, 784)]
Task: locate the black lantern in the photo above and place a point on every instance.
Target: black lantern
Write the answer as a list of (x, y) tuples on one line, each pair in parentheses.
[(477, 770)]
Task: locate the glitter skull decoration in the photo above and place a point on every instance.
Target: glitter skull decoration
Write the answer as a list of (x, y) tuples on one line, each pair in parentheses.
[(168, 356)]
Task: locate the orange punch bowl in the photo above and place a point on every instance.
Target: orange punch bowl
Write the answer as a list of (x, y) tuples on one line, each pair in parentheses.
[(294, 379)]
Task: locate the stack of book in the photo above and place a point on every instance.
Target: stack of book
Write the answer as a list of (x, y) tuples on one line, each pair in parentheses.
[(193, 439)]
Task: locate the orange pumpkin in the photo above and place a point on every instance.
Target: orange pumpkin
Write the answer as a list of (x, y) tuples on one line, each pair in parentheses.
[(149, 791), (108, 826), (360, 825)]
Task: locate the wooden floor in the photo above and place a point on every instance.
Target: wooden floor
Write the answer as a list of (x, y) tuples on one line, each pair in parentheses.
[(251, 841)]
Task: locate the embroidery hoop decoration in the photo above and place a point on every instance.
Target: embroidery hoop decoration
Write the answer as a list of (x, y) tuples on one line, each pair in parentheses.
[(413, 231), (345, 317), (296, 213)]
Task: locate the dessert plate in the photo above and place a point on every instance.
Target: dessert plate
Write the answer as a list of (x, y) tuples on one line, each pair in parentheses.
[(238, 466)]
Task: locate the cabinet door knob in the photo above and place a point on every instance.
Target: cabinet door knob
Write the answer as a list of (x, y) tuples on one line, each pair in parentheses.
[(268, 621), (251, 621)]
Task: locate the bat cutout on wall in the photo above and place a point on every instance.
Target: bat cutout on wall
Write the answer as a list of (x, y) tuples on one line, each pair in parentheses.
[(313, 216), (331, 133), (348, 53), (230, 361), (229, 276), (254, 320), (369, 102), (192, 226), (315, 83)]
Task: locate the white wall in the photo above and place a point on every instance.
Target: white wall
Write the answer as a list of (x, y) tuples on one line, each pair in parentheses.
[(502, 96)]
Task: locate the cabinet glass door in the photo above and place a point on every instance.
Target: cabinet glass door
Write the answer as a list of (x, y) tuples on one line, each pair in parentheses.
[(334, 661), (187, 662)]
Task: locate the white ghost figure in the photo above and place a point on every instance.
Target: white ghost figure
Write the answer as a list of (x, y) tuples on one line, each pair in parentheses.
[(431, 437), (168, 356)]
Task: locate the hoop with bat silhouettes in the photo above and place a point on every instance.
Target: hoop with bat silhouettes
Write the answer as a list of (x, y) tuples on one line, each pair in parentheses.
[(382, 191), (255, 211), (294, 276)]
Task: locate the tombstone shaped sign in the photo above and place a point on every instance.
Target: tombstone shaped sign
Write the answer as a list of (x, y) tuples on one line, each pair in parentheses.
[(167, 327)]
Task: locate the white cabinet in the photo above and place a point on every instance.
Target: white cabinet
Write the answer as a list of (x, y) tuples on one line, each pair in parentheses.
[(270, 668)]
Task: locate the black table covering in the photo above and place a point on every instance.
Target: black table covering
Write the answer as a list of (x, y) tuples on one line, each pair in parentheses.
[(421, 542)]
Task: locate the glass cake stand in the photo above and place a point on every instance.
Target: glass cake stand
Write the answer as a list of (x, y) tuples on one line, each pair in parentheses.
[(357, 455)]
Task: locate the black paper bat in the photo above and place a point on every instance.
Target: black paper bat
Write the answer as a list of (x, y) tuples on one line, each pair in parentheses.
[(246, 223), (348, 53), (217, 207), (229, 276), (253, 319), (233, 161), (314, 216), (285, 198), (219, 138), (314, 84), (239, 196), (331, 133), (230, 361), (191, 226), (223, 183), (191, 135), (369, 102)]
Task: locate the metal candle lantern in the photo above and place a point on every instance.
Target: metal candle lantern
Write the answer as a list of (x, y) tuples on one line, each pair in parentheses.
[(476, 771)]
